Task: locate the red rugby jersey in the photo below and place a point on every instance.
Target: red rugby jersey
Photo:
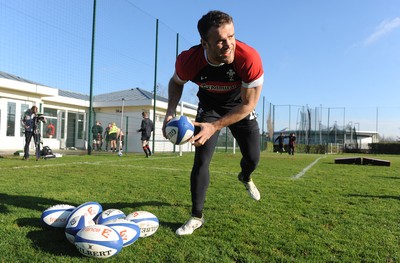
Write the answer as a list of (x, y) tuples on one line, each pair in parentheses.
[(219, 86)]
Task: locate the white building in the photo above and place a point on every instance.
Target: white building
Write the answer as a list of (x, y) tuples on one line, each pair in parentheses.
[(69, 113)]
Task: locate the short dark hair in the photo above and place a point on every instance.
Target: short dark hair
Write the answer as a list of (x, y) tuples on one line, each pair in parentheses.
[(213, 18)]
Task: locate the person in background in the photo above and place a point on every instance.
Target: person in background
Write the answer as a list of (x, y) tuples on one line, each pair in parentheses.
[(292, 143), (107, 135), (146, 128), (50, 131), (31, 123), (97, 132), (120, 140), (113, 137), (280, 140), (229, 75)]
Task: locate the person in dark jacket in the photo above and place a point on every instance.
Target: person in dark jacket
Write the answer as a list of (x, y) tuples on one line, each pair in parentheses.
[(280, 140), (97, 131), (146, 128), (292, 143), (30, 122)]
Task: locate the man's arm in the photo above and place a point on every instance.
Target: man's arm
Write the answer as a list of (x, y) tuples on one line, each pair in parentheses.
[(174, 95), (250, 98)]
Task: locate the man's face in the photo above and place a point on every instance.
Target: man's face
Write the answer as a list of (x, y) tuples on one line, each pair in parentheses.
[(221, 44)]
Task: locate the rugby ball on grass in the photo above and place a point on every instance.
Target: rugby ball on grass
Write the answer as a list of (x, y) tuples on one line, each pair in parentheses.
[(109, 214), (76, 224), (89, 209), (147, 222), (179, 130), (128, 230), (98, 241), (57, 215)]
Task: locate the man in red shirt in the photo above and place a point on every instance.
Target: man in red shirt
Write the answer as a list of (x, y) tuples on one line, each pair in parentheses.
[(230, 76)]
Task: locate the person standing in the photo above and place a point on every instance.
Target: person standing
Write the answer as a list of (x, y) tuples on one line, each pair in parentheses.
[(50, 131), (120, 140), (112, 135), (107, 135), (97, 132), (230, 76), (292, 143), (31, 123), (280, 140), (146, 127)]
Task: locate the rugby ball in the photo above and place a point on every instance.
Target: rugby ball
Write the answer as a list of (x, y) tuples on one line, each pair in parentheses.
[(98, 241), (128, 230), (109, 214), (89, 209), (147, 222), (75, 224), (179, 130), (57, 215)]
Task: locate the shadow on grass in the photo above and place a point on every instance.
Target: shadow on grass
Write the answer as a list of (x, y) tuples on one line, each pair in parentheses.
[(387, 177), (52, 241), (28, 202), (376, 196)]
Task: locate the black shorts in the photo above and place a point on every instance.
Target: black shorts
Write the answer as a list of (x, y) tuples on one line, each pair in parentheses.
[(145, 138), (112, 136)]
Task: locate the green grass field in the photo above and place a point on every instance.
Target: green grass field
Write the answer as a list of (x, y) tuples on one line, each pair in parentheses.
[(332, 213)]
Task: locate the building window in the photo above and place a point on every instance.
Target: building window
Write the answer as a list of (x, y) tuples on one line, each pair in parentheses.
[(80, 126), (62, 124), (11, 106), (51, 125), (24, 107)]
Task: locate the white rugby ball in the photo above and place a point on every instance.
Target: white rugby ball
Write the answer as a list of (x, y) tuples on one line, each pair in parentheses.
[(179, 130), (98, 241), (109, 214), (89, 209), (75, 224), (147, 222), (128, 230), (57, 215)]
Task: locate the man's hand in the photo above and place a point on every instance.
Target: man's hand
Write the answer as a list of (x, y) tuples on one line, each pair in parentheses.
[(166, 120), (206, 131)]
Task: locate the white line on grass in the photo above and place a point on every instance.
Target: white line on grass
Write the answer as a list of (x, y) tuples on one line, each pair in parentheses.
[(73, 163), (297, 176)]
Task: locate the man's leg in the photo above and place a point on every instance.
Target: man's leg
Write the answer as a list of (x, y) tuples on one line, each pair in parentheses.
[(144, 146), (200, 175), (247, 135), (28, 138), (36, 139)]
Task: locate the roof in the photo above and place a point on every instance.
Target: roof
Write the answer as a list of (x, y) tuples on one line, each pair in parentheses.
[(133, 94), (73, 95), (5, 75)]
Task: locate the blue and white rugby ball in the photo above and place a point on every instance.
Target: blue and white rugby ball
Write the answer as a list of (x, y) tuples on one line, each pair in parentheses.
[(179, 130), (128, 230), (109, 214), (147, 222), (98, 241), (57, 215)]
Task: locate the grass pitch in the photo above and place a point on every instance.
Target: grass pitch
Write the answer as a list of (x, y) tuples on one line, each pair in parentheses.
[(329, 213)]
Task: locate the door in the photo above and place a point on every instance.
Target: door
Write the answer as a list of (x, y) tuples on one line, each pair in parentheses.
[(71, 129)]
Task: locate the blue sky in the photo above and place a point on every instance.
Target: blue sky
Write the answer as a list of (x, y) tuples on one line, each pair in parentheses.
[(338, 55)]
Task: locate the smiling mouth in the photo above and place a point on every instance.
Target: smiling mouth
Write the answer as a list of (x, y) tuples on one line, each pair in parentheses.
[(227, 53)]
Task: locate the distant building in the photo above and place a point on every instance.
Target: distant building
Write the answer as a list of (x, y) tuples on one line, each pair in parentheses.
[(69, 113)]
